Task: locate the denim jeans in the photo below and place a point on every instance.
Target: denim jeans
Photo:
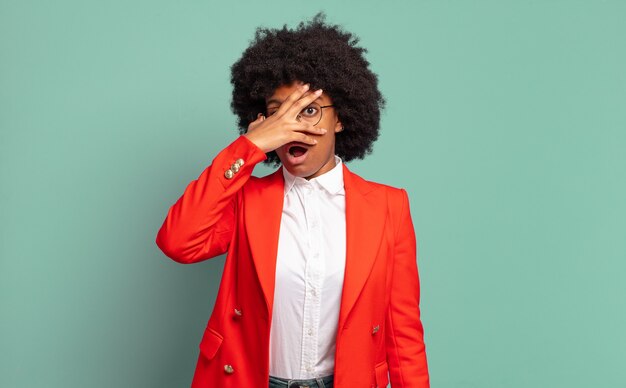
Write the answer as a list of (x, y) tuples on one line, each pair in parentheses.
[(320, 382)]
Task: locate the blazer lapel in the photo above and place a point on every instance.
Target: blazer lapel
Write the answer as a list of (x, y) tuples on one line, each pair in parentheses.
[(263, 209), (365, 221), (366, 211)]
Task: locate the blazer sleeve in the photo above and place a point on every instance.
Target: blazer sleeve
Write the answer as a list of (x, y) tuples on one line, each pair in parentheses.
[(200, 224), (406, 352)]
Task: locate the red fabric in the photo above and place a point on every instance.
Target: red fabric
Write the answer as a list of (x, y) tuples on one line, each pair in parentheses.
[(379, 332)]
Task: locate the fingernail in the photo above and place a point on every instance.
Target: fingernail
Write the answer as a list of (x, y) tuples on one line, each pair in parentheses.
[(305, 86), (315, 141), (318, 91)]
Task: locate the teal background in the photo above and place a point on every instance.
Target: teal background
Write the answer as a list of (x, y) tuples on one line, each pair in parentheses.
[(505, 123)]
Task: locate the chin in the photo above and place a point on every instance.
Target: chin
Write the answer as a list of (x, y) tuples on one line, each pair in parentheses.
[(300, 170)]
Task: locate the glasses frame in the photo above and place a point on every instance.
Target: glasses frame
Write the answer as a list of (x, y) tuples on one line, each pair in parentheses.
[(321, 111)]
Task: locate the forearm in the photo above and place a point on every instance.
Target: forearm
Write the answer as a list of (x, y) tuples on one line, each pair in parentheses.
[(199, 225)]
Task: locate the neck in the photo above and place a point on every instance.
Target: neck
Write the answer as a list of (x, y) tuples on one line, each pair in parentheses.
[(329, 165)]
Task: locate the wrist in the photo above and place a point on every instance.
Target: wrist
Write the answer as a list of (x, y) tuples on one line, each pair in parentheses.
[(252, 140)]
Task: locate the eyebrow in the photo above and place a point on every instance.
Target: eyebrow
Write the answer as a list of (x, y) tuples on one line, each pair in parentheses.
[(277, 101), (273, 101)]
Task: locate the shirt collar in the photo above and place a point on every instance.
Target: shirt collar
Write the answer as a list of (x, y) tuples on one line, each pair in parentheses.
[(331, 181)]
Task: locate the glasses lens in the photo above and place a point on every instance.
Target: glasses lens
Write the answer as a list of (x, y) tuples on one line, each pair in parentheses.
[(312, 113)]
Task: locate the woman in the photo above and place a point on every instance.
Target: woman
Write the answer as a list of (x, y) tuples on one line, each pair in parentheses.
[(320, 285)]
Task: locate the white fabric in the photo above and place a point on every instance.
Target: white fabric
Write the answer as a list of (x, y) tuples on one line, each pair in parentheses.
[(309, 275)]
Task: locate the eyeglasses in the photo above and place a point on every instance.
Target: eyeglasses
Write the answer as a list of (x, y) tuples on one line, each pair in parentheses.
[(312, 113)]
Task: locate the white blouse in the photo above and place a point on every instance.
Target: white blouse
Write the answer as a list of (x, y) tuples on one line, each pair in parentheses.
[(309, 275)]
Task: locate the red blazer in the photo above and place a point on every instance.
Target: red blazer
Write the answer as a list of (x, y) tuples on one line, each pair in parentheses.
[(379, 333)]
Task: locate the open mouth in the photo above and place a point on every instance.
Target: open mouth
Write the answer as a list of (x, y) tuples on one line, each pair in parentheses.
[(296, 153), (297, 150)]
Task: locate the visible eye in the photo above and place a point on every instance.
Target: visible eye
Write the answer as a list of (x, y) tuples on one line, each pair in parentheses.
[(310, 111), (271, 112)]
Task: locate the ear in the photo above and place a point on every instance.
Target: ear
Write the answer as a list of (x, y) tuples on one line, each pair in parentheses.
[(338, 126)]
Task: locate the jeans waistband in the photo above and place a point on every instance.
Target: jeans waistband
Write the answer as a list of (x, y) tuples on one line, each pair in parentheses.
[(319, 382)]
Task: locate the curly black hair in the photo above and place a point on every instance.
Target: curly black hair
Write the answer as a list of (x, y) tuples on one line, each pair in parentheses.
[(323, 55)]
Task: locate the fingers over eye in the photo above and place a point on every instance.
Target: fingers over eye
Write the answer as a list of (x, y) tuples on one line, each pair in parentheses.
[(292, 98), (305, 101)]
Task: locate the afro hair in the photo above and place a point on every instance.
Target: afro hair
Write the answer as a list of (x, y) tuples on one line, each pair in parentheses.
[(323, 55)]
